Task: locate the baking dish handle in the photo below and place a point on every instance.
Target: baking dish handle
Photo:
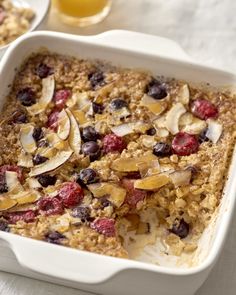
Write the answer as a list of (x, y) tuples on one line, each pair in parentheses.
[(148, 44), (62, 262)]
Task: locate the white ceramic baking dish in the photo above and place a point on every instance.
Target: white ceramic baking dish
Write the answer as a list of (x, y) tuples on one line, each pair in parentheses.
[(102, 274)]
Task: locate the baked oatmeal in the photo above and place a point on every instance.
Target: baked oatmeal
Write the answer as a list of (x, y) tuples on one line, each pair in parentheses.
[(96, 157), (14, 21)]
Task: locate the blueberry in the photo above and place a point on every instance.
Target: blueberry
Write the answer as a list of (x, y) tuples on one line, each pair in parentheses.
[(202, 136), (46, 180), (26, 96), (37, 133), (81, 212), (97, 108), (91, 149), (89, 134), (96, 79), (43, 70), (88, 176), (4, 225), (156, 89), (19, 117), (180, 228), (37, 159), (152, 131), (3, 185), (54, 237), (118, 103), (162, 149)]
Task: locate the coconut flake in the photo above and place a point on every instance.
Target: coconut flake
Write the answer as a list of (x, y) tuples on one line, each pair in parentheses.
[(12, 180), (196, 127), (63, 130), (26, 138), (74, 136), (48, 86), (123, 129), (181, 177), (154, 106), (173, 116), (25, 160), (33, 183), (214, 130), (183, 94)]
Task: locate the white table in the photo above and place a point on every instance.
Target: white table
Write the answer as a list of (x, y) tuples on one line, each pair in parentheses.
[(206, 29)]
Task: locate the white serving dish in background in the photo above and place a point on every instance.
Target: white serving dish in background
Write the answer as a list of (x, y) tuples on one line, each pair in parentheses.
[(41, 9), (98, 273)]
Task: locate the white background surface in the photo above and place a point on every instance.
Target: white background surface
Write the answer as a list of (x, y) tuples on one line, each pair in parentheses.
[(206, 29)]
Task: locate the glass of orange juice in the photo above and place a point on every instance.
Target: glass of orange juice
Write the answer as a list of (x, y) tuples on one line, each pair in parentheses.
[(83, 12)]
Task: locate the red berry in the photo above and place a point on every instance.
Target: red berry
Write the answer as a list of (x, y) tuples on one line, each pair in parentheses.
[(26, 216), (185, 144), (105, 226), (60, 98), (13, 168), (53, 120), (50, 206), (133, 195), (204, 109), (113, 143), (71, 194)]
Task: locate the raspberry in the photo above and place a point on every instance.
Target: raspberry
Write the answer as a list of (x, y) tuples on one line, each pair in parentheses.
[(60, 98), (53, 120), (105, 226), (204, 109), (113, 143), (133, 195), (13, 168), (185, 144), (26, 216), (50, 206), (71, 194)]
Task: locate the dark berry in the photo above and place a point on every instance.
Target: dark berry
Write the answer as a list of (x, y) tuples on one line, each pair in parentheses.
[(105, 226), (46, 180), (52, 122), (104, 202), (96, 79), (26, 216), (88, 176), (162, 149), (43, 143), (97, 108), (71, 194), (26, 96), (13, 168), (118, 103), (202, 136), (43, 71), (19, 117), (4, 225), (50, 206), (185, 144), (37, 159), (204, 109), (156, 89), (152, 131), (89, 134), (133, 195), (180, 228), (113, 143), (54, 237), (81, 212), (37, 133), (60, 98), (91, 149), (3, 185)]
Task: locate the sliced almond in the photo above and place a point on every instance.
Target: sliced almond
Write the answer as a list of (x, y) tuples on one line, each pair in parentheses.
[(183, 94), (152, 182), (52, 164), (181, 177), (74, 136), (80, 117), (33, 183), (26, 138), (173, 116), (214, 130), (48, 86), (154, 106), (7, 203), (25, 160), (123, 129), (114, 192), (63, 130), (27, 197)]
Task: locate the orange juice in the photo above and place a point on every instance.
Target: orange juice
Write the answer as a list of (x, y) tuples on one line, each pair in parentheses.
[(81, 8)]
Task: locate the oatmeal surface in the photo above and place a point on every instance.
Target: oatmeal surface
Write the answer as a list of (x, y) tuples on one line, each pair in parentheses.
[(94, 157)]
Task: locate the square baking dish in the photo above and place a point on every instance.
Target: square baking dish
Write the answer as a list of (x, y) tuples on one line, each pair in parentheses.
[(98, 273)]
